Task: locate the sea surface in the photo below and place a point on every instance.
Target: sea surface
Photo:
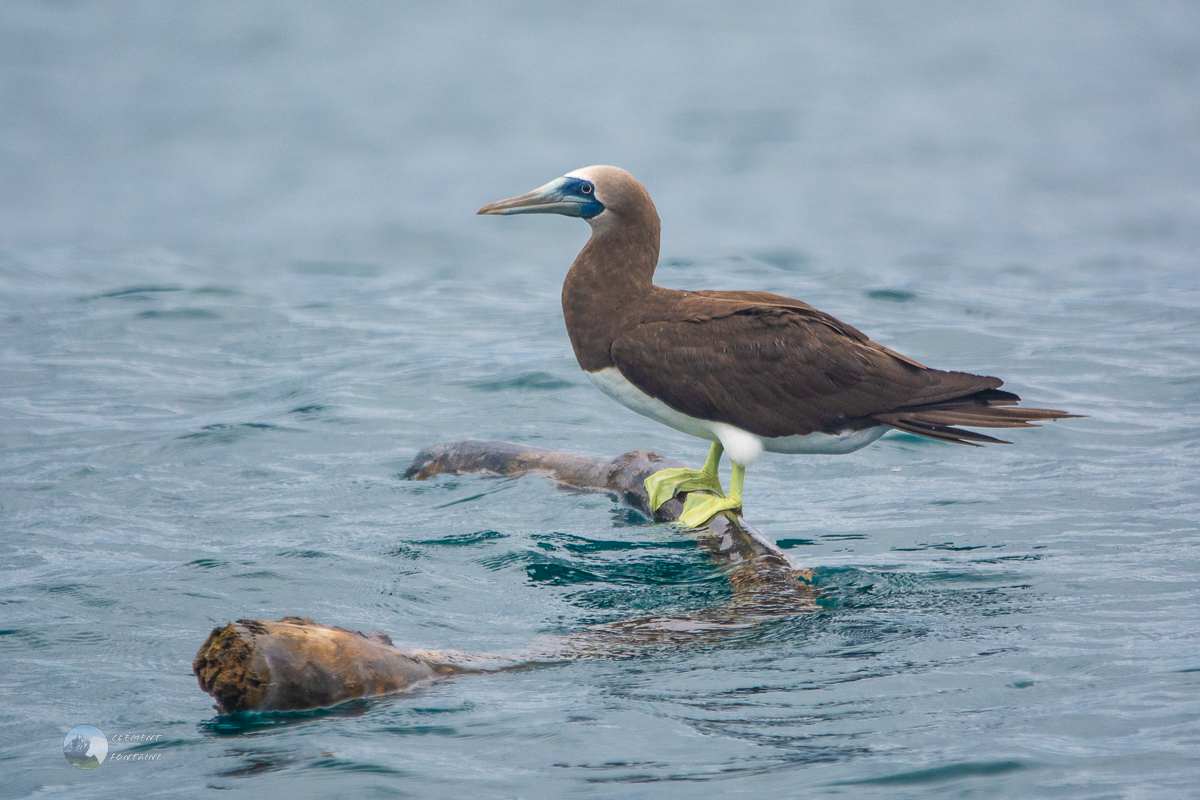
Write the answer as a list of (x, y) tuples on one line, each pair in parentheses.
[(242, 285)]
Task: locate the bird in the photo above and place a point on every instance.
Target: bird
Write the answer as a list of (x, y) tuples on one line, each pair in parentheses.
[(748, 371)]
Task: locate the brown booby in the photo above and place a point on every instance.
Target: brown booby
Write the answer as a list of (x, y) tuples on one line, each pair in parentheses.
[(748, 371)]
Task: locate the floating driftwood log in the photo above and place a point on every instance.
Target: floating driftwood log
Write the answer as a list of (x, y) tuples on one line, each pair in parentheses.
[(295, 664), (758, 570)]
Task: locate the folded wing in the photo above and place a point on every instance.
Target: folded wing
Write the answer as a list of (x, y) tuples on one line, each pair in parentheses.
[(785, 370)]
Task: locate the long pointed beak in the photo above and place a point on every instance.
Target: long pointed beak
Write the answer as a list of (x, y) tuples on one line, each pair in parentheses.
[(548, 199)]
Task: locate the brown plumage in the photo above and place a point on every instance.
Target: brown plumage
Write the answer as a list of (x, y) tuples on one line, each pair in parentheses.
[(766, 364)]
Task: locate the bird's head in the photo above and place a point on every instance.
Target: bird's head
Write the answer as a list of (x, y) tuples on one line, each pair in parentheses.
[(597, 194)]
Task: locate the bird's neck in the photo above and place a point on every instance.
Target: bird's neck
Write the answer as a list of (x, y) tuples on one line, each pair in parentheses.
[(604, 291)]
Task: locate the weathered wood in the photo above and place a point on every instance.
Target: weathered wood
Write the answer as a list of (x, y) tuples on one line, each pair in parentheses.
[(757, 569), (295, 664)]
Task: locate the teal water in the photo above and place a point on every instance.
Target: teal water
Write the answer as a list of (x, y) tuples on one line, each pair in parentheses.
[(241, 285)]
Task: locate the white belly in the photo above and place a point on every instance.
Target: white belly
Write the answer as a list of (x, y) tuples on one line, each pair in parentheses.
[(743, 447)]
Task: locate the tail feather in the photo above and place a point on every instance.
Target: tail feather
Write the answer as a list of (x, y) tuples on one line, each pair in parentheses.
[(944, 433), (990, 408)]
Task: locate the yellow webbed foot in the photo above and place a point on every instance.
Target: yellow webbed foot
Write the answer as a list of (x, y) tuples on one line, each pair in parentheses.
[(700, 508), (664, 484)]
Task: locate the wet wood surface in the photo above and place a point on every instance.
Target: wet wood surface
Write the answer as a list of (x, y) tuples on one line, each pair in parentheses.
[(295, 663)]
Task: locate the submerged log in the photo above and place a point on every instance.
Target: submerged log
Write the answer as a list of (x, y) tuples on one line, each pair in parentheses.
[(295, 664)]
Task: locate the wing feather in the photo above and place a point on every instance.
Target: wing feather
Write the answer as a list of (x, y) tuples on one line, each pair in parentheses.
[(778, 370)]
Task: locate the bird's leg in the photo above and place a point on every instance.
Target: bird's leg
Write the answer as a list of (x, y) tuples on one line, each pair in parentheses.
[(700, 508), (662, 485)]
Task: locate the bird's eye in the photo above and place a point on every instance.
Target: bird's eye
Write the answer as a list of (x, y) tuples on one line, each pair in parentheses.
[(586, 188)]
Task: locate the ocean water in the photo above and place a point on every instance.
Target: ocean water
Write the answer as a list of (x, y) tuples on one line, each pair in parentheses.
[(241, 285)]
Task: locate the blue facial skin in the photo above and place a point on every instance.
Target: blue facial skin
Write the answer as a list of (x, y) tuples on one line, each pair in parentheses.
[(588, 206)]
